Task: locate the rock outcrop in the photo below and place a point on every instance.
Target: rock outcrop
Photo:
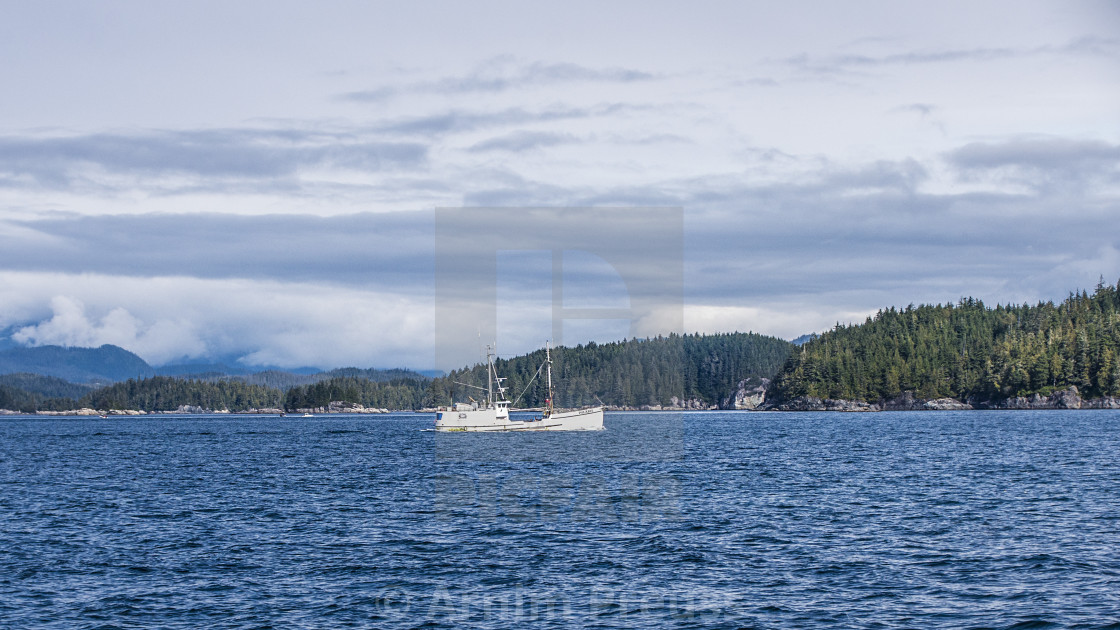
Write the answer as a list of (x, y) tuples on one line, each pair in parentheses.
[(812, 403), (1108, 402), (907, 402), (675, 404), (750, 394), (945, 404), (1068, 398), (84, 411), (192, 409), (338, 406)]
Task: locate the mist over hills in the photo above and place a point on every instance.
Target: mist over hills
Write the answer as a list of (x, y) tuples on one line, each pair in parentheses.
[(223, 368), (103, 365), (95, 367), (963, 354)]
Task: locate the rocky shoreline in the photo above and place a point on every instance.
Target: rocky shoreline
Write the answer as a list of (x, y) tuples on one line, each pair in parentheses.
[(750, 396), (333, 408), (1068, 398)]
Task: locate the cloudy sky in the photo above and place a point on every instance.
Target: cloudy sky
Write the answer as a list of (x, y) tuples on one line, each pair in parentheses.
[(258, 180)]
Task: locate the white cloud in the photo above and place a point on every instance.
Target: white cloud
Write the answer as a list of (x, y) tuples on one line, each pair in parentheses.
[(926, 163), (263, 322), (787, 319), (158, 342)]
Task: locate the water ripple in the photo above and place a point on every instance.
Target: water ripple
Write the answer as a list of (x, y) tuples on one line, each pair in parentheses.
[(952, 520)]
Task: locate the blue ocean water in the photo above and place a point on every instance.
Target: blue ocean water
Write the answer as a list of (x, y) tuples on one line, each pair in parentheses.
[(795, 520)]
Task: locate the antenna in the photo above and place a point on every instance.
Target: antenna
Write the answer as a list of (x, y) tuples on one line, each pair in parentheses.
[(489, 376), (548, 360)]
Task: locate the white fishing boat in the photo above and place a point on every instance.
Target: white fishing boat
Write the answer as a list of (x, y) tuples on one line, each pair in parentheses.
[(493, 414)]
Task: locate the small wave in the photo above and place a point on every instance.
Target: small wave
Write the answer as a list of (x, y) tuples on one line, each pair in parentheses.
[(1032, 624)]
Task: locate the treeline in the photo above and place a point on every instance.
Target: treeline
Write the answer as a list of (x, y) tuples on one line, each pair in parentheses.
[(284, 381), (628, 373), (15, 399), (165, 393), (965, 351), (393, 394), (631, 373), (45, 386)]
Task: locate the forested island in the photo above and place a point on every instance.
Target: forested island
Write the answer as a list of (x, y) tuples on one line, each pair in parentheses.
[(1046, 355), (944, 356)]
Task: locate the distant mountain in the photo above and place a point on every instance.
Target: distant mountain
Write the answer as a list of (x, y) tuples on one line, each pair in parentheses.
[(227, 368), (279, 379), (285, 380), (804, 339), (199, 370), (376, 375), (110, 364), (78, 365)]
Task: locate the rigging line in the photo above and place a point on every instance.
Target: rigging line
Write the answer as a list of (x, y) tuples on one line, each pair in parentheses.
[(469, 385), (528, 384)]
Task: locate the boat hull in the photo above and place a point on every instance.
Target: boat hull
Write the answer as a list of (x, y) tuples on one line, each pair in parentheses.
[(483, 420)]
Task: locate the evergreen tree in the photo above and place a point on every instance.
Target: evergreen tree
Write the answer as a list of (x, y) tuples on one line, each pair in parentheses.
[(965, 351)]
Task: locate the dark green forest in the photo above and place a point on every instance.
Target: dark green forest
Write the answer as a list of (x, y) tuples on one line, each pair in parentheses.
[(45, 386), (626, 373), (966, 351), (165, 393), (15, 399), (393, 394), (629, 373)]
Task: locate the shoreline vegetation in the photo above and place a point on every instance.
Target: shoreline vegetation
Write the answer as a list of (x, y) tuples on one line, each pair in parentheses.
[(920, 358), (1069, 399)]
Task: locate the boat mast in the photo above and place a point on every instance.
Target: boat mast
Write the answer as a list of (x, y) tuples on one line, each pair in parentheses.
[(548, 360), (489, 377)]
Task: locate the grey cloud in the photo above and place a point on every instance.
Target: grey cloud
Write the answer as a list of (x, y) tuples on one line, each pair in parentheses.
[(899, 178), (495, 77), (464, 121), (375, 95), (856, 230), (536, 74), (922, 109), (901, 175), (758, 82), (521, 194), (386, 251), (520, 141), (853, 62), (1040, 162), (1042, 153), (869, 233), (774, 241), (232, 153), (1101, 46), (935, 56)]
